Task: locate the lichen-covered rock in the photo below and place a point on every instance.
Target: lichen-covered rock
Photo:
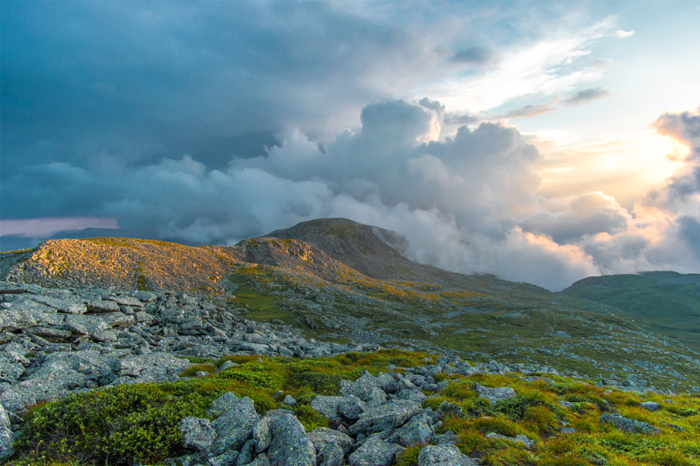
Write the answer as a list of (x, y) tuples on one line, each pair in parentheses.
[(261, 460), (374, 452), (235, 427), (10, 371), (351, 407), (156, 366), (628, 425), (495, 395), (198, 433), (323, 436), (262, 432), (224, 403), (5, 435), (327, 406), (228, 458), (518, 438), (329, 455), (362, 387), (290, 446), (417, 430), (98, 305), (651, 406), (388, 416), (443, 455)]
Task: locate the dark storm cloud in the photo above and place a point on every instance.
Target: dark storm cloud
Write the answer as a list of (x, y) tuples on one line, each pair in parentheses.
[(586, 95), (476, 55), (138, 81)]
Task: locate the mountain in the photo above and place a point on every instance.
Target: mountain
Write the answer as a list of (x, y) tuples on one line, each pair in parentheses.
[(668, 302), (341, 281)]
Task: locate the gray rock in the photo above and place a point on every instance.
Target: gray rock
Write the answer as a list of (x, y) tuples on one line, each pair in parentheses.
[(155, 366), (566, 404), (443, 455), (224, 403), (262, 432), (98, 305), (126, 301), (68, 307), (289, 401), (323, 436), (628, 425), (495, 395), (290, 446), (374, 452), (235, 427), (362, 387), (417, 430), (10, 371), (246, 454), (145, 296), (116, 319), (228, 458), (6, 437), (386, 383), (329, 455), (261, 460), (11, 320), (518, 438), (198, 433), (376, 397), (651, 406), (327, 405), (226, 365), (351, 407), (388, 416)]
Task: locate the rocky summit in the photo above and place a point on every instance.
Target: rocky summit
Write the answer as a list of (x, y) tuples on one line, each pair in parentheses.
[(297, 349)]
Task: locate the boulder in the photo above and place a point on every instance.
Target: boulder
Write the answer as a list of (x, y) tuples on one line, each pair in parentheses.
[(153, 366), (651, 406), (290, 446), (198, 433), (417, 430), (628, 425), (327, 406), (374, 452), (235, 427), (443, 455), (495, 395), (98, 306), (5, 435), (388, 416), (262, 432), (351, 407)]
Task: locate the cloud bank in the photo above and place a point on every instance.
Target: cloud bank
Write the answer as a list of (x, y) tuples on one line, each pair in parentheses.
[(212, 122)]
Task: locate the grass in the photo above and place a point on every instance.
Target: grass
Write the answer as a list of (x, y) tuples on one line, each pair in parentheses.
[(114, 424)]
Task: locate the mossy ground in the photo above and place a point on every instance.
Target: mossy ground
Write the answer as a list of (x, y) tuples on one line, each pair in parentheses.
[(139, 423)]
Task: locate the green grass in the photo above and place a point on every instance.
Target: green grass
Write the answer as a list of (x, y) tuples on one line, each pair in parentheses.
[(130, 423)]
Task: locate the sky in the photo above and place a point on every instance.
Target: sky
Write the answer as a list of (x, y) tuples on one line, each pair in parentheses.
[(541, 142)]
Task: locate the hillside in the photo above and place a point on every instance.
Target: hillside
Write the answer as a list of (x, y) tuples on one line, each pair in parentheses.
[(339, 281), (668, 302)]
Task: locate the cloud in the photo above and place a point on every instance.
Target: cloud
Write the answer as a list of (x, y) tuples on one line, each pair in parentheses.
[(43, 227), (529, 111), (476, 55), (586, 95)]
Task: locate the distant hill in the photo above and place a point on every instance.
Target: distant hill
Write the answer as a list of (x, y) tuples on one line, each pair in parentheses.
[(667, 301), (339, 280)]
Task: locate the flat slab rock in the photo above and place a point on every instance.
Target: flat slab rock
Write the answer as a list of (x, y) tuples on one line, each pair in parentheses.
[(375, 452)]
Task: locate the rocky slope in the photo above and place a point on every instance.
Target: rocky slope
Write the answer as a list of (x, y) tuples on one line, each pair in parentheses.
[(166, 378), (667, 302)]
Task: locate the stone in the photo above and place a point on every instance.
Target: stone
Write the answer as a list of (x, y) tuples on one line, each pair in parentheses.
[(327, 406), (323, 436), (351, 407), (443, 455), (374, 452), (262, 432), (289, 401), (156, 366), (10, 371), (68, 307), (246, 454), (329, 455), (12, 320), (198, 433), (6, 436), (145, 296), (290, 446), (388, 416), (224, 403), (494, 395), (228, 458), (235, 427), (417, 430), (362, 387), (261, 460), (628, 425), (651, 406), (98, 306), (518, 438), (126, 301)]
